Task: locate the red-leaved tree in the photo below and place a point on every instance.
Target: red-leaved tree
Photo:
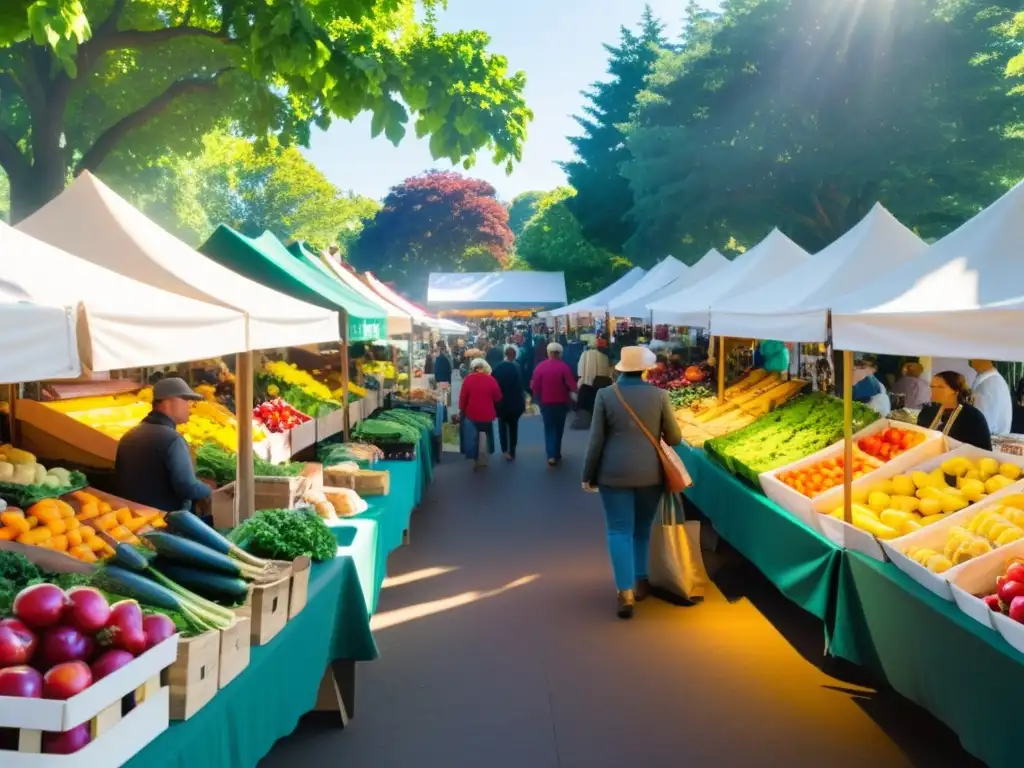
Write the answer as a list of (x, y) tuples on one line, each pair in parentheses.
[(440, 221)]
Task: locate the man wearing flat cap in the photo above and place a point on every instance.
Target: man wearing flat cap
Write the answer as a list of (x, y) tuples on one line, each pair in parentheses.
[(153, 464)]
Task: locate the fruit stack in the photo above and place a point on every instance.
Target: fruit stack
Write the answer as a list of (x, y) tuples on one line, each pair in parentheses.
[(995, 526), (60, 643), (890, 442), (905, 503), (814, 479)]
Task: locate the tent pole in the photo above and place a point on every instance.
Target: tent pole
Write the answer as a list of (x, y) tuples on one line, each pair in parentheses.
[(245, 480), (847, 437), (343, 350), (409, 380), (721, 369)]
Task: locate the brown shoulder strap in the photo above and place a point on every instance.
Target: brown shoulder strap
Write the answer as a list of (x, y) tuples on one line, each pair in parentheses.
[(655, 443)]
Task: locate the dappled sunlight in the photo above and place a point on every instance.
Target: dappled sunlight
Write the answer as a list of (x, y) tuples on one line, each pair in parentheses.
[(414, 576), (410, 613)]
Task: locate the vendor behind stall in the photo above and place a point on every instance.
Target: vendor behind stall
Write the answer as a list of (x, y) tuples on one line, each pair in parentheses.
[(153, 465), (952, 412), (868, 389)]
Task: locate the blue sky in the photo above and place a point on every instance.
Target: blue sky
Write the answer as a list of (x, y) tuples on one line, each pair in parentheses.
[(556, 42)]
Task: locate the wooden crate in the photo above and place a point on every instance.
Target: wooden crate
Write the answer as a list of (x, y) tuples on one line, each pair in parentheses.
[(372, 482), (330, 425), (271, 493), (267, 609), (55, 435), (299, 591), (114, 734), (194, 676), (302, 436), (235, 649)]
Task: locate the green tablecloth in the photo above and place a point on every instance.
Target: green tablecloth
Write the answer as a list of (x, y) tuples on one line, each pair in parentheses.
[(357, 539), (390, 514), (263, 704), (799, 561), (929, 651)]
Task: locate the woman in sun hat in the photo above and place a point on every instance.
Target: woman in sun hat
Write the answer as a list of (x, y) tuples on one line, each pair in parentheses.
[(623, 466)]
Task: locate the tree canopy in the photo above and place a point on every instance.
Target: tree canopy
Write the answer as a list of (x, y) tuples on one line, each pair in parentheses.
[(85, 81), (603, 197), (250, 187), (803, 113), (553, 241), (440, 221), (522, 208)]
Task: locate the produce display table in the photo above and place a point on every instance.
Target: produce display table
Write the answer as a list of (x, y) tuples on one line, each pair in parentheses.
[(357, 538), (800, 562), (263, 704), (929, 651)]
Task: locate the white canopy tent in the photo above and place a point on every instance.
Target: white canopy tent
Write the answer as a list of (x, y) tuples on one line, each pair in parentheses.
[(37, 341), (91, 221), (963, 297), (398, 321), (692, 305), (794, 306), (121, 323), (633, 301), (450, 328), (495, 290), (598, 303), (418, 315), (710, 262)]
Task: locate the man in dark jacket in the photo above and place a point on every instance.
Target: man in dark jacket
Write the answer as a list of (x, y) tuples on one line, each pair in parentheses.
[(153, 465), (513, 402)]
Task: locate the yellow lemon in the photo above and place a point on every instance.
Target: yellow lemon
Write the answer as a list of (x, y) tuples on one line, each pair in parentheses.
[(1011, 471), (929, 507), (902, 486)]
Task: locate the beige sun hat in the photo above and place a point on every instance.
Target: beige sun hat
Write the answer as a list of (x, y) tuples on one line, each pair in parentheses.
[(634, 359)]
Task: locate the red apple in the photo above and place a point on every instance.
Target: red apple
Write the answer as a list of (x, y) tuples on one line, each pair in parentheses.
[(66, 743), (40, 605), (23, 682), (66, 680), (1015, 572), (1010, 590), (992, 601), (17, 643), (1016, 611), (1000, 580)]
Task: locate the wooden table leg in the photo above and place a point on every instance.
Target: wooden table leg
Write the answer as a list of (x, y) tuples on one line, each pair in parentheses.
[(338, 690)]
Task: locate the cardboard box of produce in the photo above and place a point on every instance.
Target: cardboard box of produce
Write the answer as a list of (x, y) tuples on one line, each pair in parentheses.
[(267, 608), (330, 425), (302, 436), (372, 482), (299, 586), (193, 678), (234, 651)]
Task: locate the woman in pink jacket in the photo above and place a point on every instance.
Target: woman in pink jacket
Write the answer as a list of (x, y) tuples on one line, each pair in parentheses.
[(553, 387)]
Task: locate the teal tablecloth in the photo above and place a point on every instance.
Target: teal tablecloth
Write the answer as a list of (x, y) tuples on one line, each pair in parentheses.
[(390, 514), (802, 563), (263, 704), (929, 651), (357, 539)]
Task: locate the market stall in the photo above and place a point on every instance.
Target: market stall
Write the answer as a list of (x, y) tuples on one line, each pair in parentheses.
[(597, 304), (93, 222), (633, 302), (917, 536)]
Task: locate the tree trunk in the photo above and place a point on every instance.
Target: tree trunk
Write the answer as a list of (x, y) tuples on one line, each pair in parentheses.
[(32, 190)]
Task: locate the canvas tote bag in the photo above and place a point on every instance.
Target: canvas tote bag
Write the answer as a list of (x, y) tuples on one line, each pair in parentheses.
[(676, 564), (677, 479)]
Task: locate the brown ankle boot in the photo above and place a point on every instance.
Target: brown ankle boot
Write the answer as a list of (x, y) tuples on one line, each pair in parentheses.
[(626, 603), (643, 590)]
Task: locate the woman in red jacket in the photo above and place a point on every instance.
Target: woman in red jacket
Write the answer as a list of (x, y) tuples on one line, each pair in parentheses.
[(477, 400)]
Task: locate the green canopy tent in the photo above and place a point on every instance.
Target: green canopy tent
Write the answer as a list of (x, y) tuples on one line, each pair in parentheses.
[(266, 260)]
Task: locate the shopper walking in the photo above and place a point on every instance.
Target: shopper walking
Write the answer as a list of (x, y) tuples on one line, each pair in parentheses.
[(624, 467), (513, 402), (477, 400), (553, 387)]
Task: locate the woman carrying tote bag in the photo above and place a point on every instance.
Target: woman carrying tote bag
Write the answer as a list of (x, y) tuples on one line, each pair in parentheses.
[(632, 421)]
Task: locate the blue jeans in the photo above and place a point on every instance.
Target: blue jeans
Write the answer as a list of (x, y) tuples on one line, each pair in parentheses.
[(554, 427), (629, 514)]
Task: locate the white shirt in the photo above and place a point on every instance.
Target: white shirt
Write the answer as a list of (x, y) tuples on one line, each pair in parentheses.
[(992, 397)]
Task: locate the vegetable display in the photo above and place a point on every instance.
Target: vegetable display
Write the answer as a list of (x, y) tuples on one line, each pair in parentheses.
[(362, 454), (788, 434), (285, 534), (277, 416), (24, 481), (687, 396), (298, 388), (215, 463)]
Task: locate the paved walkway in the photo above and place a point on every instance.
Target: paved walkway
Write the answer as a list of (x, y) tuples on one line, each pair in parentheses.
[(500, 649)]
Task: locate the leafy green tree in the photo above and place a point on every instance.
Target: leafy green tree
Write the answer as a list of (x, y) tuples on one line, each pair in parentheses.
[(803, 113), (249, 186), (440, 221), (553, 241), (603, 198), (5, 197), (521, 210), (91, 82)]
